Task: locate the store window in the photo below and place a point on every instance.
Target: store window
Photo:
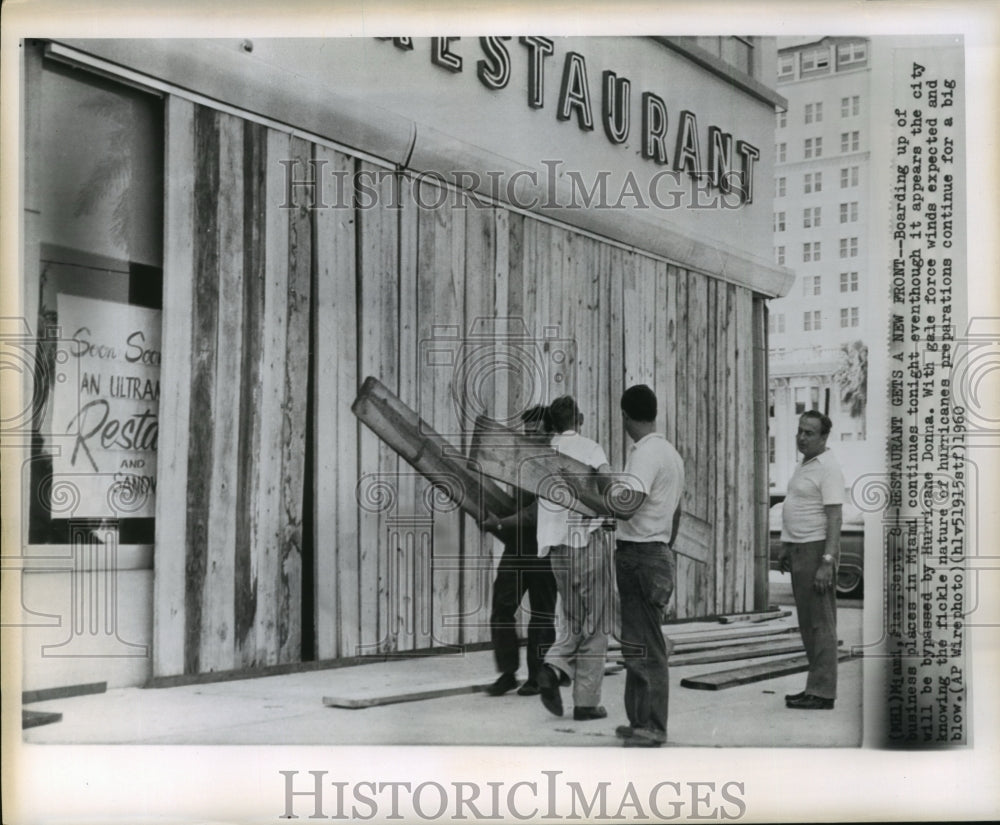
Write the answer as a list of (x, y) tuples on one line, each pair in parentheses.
[(97, 180)]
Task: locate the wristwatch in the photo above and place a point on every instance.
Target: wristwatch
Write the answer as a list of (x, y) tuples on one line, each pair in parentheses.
[(828, 557)]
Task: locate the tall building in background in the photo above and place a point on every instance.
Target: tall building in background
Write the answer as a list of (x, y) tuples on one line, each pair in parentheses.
[(821, 331)]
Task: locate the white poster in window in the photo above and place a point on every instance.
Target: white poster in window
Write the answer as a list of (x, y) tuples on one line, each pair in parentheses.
[(109, 419)]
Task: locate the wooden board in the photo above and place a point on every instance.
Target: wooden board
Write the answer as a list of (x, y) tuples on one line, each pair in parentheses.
[(35, 718), (723, 679), (770, 638), (744, 651), (734, 636), (512, 458), (428, 452), (64, 692), (396, 698), (765, 616)]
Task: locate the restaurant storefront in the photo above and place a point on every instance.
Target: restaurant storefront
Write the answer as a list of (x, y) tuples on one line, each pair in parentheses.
[(224, 238)]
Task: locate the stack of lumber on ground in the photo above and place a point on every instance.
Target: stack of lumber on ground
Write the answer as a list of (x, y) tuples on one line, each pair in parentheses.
[(744, 636), (719, 680)]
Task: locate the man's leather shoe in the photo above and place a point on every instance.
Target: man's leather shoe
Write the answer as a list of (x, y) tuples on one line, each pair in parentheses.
[(529, 688), (810, 702), (548, 689), (505, 682), (624, 731), (584, 713), (642, 738), (790, 696)]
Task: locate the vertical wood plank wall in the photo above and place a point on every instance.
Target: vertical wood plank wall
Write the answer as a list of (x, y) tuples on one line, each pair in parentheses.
[(390, 283)]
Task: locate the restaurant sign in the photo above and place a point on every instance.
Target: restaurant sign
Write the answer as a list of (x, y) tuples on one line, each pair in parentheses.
[(109, 419)]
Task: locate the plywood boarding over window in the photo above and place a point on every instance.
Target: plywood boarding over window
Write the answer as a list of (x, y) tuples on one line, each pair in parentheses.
[(416, 271)]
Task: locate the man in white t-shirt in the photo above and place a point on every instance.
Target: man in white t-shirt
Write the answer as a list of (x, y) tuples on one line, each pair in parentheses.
[(810, 532), (646, 500), (578, 550)]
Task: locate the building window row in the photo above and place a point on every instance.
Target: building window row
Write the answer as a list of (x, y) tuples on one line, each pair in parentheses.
[(811, 217), (810, 251), (849, 212), (806, 396), (779, 221), (850, 106), (813, 148), (814, 113), (848, 247), (850, 141), (818, 60), (779, 255), (848, 281), (811, 285), (812, 320), (848, 317), (813, 182)]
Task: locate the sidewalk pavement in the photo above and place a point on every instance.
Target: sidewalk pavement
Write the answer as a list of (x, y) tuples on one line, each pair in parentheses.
[(289, 709)]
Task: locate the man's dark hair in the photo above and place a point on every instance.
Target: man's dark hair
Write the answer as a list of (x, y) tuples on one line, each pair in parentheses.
[(564, 414), (639, 403), (537, 413), (825, 424)]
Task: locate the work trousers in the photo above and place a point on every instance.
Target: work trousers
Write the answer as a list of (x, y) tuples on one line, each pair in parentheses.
[(583, 578), (817, 614), (518, 574), (645, 573)]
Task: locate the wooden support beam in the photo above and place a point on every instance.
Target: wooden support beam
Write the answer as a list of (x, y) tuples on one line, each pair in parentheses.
[(723, 679), (756, 616), (63, 692), (790, 644), (358, 703), (36, 718), (687, 641), (522, 461), (428, 452)]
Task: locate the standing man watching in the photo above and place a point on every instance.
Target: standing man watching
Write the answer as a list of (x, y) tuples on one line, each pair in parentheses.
[(810, 533), (646, 501)]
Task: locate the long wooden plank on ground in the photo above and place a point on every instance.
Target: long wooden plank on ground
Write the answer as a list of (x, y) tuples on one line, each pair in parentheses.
[(777, 636), (513, 458), (63, 692), (722, 645), (790, 644), (735, 636), (754, 616), (396, 698), (35, 718), (427, 451), (723, 679)]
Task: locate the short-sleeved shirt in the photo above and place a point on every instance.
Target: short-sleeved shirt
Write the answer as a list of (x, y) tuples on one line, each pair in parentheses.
[(815, 483), (653, 467), (556, 524)]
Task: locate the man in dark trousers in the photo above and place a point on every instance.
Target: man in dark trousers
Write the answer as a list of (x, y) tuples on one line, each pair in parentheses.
[(810, 533), (645, 499), (521, 570)]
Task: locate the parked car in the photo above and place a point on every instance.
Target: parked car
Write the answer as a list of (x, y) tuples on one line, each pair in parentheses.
[(850, 574)]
